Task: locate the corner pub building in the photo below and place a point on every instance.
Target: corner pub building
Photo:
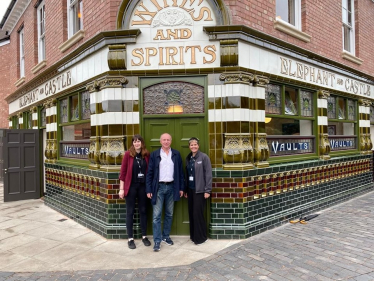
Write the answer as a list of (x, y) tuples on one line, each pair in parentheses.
[(280, 94)]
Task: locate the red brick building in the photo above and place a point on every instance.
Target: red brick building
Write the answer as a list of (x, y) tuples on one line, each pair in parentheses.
[(280, 93)]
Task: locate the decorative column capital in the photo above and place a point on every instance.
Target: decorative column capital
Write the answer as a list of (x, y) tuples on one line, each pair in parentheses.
[(50, 103), (34, 109), (364, 102), (239, 77), (108, 81), (260, 81), (322, 94)]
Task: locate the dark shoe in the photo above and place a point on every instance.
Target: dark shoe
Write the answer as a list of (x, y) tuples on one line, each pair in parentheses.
[(157, 247), (197, 244), (168, 241), (146, 242), (131, 244)]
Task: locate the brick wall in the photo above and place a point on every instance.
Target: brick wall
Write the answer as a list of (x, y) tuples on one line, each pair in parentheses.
[(322, 20), (5, 80)]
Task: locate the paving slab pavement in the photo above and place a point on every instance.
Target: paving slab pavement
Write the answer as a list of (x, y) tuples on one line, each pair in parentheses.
[(37, 244), (34, 237)]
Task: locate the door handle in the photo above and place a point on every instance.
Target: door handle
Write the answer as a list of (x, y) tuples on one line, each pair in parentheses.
[(5, 170)]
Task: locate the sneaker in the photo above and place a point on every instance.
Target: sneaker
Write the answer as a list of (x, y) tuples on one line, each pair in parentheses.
[(168, 241), (131, 244), (157, 247), (146, 242)]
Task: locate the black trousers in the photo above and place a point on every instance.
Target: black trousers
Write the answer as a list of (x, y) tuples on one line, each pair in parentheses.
[(136, 191), (196, 207)]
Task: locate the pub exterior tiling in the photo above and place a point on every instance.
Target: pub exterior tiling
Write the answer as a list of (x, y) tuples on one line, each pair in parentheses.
[(281, 100)]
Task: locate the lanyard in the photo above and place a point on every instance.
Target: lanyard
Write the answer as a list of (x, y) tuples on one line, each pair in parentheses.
[(192, 162), (139, 164)]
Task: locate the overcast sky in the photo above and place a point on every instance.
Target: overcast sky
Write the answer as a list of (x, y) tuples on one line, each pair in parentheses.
[(3, 6)]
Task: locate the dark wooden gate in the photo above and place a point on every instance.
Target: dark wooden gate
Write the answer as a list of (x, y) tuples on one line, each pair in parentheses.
[(21, 165)]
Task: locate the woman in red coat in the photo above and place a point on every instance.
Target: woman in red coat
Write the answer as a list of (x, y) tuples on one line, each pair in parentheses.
[(132, 186)]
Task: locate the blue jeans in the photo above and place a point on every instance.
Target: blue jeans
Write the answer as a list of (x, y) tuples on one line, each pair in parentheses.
[(165, 194)]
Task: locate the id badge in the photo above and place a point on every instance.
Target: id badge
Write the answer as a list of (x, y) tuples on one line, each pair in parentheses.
[(191, 178), (140, 175)]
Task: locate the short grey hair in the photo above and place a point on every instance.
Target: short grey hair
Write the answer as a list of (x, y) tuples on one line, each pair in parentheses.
[(166, 134), (193, 139)]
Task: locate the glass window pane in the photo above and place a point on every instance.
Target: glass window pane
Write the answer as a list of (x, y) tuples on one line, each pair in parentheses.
[(85, 103), (347, 38), (371, 114), (76, 132), (306, 104), (74, 108), (289, 127), (341, 108), (43, 117), (64, 111), (291, 101), (273, 99), (351, 110), (29, 120), (341, 128), (282, 9), (331, 108), (350, 12)]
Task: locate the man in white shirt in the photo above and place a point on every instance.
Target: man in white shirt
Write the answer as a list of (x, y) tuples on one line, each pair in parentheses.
[(164, 185)]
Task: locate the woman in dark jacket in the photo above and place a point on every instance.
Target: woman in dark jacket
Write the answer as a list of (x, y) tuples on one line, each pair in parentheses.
[(198, 189), (132, 186)]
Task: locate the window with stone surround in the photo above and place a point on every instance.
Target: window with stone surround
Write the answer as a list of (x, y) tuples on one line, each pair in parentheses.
[(348, 26), (41, 31), (21, 53), (289, 11), (75, 16)]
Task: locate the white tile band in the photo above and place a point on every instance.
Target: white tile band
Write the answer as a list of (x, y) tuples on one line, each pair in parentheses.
[(113, 118), (322, 121), (236, 114), (322, 103), (364, 123)]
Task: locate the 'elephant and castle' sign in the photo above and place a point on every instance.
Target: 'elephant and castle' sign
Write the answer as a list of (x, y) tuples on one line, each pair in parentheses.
[(172, 35)]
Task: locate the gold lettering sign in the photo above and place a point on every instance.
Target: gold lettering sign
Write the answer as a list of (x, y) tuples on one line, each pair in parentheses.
[(324, 78), (173, 34), (51, 87)]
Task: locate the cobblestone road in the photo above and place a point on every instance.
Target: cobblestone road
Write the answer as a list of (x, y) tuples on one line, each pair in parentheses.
[(336, 245)]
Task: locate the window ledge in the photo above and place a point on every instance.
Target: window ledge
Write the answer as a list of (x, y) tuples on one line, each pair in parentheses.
[(39, 66), (71, 41), (291, 30), (20, 81), (352, 58)]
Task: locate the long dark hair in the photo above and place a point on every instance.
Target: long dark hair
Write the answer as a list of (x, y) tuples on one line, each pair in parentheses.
[(132, 150)]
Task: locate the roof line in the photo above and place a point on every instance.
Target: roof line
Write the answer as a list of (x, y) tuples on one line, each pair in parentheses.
[(6, 15)]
